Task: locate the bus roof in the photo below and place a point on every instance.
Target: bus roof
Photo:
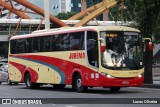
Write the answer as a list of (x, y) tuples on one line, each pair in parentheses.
[(74, 29)]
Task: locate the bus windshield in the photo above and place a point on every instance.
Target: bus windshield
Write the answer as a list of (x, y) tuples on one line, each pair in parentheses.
[(123, 50)]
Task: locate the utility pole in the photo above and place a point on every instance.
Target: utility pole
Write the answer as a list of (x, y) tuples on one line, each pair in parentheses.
[(46, 10), (148, 58)]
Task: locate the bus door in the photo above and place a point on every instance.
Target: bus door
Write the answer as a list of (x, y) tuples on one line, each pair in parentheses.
[(92, 49)]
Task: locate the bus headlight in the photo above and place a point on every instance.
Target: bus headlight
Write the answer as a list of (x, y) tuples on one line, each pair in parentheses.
[(109, 76), (139, 76), (104, 74)]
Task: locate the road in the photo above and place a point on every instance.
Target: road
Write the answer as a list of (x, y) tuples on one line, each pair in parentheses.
[(47, 91)]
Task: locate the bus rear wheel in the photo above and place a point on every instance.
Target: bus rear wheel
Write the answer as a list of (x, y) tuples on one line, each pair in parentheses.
[(78, 84), (115, 89), (29, 83)]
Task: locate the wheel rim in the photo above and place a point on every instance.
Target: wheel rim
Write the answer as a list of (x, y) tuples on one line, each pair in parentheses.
[(79, 83)]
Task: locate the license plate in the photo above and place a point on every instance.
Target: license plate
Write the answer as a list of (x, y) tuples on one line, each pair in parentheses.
[(125, 82)]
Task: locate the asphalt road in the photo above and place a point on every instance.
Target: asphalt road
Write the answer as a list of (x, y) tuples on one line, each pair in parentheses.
[(47, 91)]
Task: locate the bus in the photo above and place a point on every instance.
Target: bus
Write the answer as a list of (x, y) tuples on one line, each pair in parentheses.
[(91, 56)]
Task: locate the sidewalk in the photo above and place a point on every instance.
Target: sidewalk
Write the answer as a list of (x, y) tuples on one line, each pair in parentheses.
[(156, 84)]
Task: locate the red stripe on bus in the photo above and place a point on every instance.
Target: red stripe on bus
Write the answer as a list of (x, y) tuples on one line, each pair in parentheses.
[(22, 69)]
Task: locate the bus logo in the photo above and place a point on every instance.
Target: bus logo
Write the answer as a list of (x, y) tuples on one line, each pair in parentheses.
[(77, 55)]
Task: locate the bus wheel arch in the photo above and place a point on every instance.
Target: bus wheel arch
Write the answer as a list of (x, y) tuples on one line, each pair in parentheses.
[(28, 81)]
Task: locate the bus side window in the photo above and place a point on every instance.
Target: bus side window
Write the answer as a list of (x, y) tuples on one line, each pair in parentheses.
[(47, 44), (21, 45), (57, 43), (13, 45), (29, 45), (34, 45), (64, 42), (92, 48), (76, 41)]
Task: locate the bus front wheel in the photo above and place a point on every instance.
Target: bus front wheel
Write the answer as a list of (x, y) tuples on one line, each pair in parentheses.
[(78, 84), (29, 83)]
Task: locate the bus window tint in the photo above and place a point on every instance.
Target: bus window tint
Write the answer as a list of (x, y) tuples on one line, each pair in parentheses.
[(29, 45), (64, 42), (92, 48), (47, 44), (41, 44), (13, 46), (57, 43), (61, 42), (35, 45), (76, 41), (21, 46)]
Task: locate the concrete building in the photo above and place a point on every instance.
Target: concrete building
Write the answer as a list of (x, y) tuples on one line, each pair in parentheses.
[(80, 5)]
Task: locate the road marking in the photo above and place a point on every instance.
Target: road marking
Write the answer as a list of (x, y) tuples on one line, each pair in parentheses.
[(70, 106), (143, 88)]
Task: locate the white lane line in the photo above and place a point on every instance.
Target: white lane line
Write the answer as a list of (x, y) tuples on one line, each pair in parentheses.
[(70, 106), (143, 88)]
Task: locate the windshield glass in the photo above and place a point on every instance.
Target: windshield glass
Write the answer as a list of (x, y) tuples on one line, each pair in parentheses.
[(123, 50)]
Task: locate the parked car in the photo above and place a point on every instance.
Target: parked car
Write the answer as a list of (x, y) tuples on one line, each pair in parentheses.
[(3, 72)]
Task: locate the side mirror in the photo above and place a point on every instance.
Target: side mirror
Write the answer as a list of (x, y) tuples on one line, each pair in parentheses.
[(149, 43), (103, 48), (150, 46), (103, 44)]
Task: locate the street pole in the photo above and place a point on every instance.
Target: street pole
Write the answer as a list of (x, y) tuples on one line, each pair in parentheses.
[(46, 10), (148, 58)]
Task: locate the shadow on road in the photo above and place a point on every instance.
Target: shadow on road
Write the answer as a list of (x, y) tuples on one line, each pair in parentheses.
[(96, 90)]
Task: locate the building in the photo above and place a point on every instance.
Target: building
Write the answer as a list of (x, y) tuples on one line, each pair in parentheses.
[(80, 5), (55, 7)]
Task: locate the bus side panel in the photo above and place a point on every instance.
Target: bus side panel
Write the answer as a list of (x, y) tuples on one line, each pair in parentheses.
[(11, 72)]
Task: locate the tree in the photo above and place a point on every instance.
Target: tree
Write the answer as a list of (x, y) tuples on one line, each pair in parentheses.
[(146, 14), (65, 16)]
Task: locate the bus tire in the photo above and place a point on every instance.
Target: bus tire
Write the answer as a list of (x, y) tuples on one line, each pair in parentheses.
[(115, 89), (16, 83), (78, 84), (9, 82), (0, 83), (29, 83), (59, 86)]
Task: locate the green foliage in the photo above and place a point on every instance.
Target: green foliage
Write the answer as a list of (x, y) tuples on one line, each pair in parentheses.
[(65, 16), (145, 14)]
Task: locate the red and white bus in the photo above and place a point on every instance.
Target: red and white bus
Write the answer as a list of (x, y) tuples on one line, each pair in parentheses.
[(93, 56)]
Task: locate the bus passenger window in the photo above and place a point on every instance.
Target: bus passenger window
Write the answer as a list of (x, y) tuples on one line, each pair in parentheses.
[(47, 44), (13, 46), (76, 41), (57, 43), (34, 45), (21, 45), (29, 45), (64, 42), (92, 48)]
